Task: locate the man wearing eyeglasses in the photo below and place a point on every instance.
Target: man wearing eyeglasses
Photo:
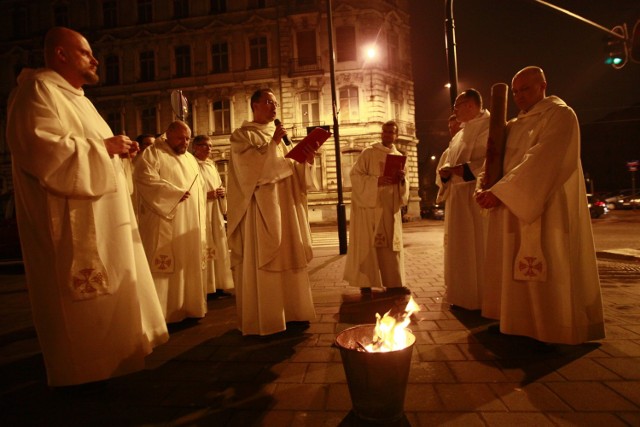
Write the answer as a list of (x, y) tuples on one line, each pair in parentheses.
[(541, 268), (464, 225), (268, 228), (218, 266)]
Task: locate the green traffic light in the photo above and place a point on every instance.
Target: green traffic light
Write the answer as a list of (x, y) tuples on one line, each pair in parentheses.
[(613, 60)]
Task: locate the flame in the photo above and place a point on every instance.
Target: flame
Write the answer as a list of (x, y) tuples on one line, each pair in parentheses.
[(391, 333)]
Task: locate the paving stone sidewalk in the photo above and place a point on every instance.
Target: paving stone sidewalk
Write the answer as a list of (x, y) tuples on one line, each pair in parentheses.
[(460, 374)]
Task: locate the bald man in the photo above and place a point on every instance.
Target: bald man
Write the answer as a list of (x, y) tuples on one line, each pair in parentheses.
[(94, 304), (172, 214), (541, 274)]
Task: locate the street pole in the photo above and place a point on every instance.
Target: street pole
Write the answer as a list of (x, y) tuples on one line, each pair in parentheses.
[(341, 211), (451, 52)]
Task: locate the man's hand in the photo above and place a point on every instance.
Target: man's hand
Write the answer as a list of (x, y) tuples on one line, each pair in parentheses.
[(221, 192), (487, 200), (184, 197), (120, 145), (447, 171), (310, 152)]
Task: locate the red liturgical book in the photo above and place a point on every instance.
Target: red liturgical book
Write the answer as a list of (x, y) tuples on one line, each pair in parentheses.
[(394, 163), (316, 138)]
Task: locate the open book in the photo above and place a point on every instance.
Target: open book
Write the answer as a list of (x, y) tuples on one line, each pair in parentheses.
[(394, 163), (316, 138)]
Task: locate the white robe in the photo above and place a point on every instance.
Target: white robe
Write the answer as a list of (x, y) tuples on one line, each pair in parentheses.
[(542, 231), (173, 232), (75, 219), (375, 256), (218, 264), (268, 232), (464, 224)]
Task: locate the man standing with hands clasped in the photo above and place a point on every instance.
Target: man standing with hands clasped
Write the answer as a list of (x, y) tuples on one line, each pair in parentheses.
[(541, 272), (375, 257), (93, 302)]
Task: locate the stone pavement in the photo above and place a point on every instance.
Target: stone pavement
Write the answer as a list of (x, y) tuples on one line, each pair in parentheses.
[(460, 375)]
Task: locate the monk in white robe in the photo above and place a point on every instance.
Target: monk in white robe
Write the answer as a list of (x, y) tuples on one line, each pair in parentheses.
[(218, 263), (464, 225), (268, 229), (541, 271), (172, 217), (93, 302), (375, 257)]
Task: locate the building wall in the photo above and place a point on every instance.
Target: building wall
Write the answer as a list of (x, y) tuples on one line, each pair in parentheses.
[(291, 29)]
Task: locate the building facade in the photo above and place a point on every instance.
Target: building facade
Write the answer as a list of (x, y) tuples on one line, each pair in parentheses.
[(218, 52)]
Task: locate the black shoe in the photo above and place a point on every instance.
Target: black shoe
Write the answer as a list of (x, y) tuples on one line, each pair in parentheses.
[(365, 291), (222, 294), (402, 290), (494, 329)]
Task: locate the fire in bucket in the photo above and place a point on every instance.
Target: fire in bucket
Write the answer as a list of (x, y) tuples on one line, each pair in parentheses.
[(376, 360)]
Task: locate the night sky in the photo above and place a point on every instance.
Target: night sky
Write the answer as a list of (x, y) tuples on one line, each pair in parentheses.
[(496, 38)]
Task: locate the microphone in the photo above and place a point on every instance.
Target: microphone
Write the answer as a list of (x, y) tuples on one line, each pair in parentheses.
[(285, 138)]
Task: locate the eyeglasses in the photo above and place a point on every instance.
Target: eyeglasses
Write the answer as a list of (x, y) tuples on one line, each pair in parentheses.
[(458, 104), (270, 102)]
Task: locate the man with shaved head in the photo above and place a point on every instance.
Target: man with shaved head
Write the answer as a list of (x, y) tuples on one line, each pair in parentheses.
[(172, 214), (94, 304), (541, 274)]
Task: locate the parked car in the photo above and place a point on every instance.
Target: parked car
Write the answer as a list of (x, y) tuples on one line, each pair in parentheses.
[(597, 207), (625, 199), (9, 239), (434, 211)]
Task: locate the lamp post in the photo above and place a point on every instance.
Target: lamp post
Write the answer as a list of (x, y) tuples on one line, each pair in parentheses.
[(341, 212)]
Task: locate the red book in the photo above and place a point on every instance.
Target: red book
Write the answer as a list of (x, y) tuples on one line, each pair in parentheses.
[(316, 138), (394, 163)]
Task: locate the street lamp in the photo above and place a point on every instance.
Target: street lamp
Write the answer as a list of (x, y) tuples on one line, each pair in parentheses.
[(341, 212)]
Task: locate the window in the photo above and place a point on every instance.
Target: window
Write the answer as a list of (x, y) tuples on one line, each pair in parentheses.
[(258, 50), (220, 57), (346, 44), (347, 160), (110, 13), (310, 108), (349, 105), (223, 168), (306, 47), (145, 11), (148, 121), (393, 48), (61, 15), (147, 66), (114, 120), (221, 114), (180, 9), (396, 104), (20, 22), (112, 68), (183, 60), (319, 171), (218, 6)]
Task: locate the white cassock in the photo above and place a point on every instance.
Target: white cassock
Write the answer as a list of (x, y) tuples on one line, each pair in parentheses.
[(173, 232), (541, 271), (268, 232), (464, 223), (375, 256), (218, 264), (94, 305)]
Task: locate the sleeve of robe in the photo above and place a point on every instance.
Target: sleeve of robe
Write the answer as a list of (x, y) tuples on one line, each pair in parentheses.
[(61, 158), (364, 181), (443, 186), (544, 168), (158, 194)]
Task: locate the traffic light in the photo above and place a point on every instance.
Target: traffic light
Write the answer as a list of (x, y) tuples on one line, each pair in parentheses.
[(616, 47)]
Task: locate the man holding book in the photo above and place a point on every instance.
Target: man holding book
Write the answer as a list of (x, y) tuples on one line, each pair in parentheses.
[(267, 226), (380, 188)]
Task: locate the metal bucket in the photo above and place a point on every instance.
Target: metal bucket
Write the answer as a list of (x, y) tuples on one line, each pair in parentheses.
[(377, 381)]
